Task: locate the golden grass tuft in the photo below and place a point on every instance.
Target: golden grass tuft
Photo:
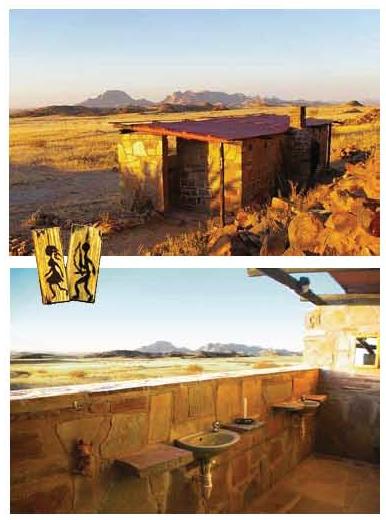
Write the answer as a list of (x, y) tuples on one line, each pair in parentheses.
[(194, 368)]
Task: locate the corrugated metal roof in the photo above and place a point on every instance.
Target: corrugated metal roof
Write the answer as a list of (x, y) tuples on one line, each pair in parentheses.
[(355, 281), (218, 129), (312, 121)]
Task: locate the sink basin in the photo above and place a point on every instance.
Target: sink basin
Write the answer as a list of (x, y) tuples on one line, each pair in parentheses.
[(308, 403), (206, 444)]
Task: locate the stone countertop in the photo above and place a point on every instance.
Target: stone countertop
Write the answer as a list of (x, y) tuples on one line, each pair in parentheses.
[(155, 459), (242, 428)]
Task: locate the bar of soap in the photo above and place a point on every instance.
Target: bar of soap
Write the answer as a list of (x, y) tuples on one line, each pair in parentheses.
[(244, 420)]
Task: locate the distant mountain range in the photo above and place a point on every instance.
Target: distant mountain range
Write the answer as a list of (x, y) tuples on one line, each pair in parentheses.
[(118, 102), (165, 349), (119, 98)]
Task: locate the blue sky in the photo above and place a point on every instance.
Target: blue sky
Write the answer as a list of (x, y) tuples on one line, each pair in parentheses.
[(189, 307), (63, 56)]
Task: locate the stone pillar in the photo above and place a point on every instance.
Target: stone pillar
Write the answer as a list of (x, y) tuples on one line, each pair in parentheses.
[(143, 166)]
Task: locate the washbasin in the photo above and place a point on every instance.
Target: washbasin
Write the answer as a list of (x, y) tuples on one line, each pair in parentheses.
[(208, 443), (308, 403)]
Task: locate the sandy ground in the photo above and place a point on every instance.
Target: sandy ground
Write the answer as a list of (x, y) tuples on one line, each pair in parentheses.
[(82, 197)]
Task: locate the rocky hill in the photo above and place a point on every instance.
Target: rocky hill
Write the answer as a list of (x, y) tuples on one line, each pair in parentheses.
[(114, 99), (190, 97)]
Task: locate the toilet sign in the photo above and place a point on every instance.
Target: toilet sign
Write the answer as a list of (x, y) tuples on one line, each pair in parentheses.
[(83, 260), (50, 263)]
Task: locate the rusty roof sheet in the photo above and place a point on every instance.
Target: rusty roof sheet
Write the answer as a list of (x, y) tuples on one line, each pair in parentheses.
[(358, 281), (312, 121), (219, 128)]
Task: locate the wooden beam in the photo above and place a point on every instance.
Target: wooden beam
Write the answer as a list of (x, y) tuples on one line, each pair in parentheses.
[(279, 275), (222, 185), (253, 271), (350, 299), (370, 348)]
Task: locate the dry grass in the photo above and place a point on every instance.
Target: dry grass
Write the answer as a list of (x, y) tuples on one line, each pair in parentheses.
[(194, 369), (89, 143), (43, 148), (62, 372)]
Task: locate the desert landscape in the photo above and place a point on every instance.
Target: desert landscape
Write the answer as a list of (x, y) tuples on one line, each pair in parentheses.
[(63, 371), (64, 169)]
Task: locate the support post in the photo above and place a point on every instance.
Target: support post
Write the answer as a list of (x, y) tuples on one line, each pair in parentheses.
[(222, 185), (329, 145)]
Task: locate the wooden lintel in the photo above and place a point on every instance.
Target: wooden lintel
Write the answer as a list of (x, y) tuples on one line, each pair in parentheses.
[(279, 275)]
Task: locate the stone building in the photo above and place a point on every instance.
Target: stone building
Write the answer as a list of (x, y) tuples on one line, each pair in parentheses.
[(219, 164)]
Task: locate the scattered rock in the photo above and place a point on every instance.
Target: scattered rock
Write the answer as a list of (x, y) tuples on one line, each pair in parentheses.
[(275, 243), (20, 247), (304, 231), (222, 246), (280, 204)]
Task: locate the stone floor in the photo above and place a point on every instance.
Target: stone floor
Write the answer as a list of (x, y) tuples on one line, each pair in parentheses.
[(322, 484)]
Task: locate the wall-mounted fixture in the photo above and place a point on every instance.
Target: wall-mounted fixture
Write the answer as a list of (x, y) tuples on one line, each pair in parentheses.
[(82, 455)]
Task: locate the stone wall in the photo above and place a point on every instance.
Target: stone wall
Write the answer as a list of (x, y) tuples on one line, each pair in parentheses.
[(331, 330), (191, 175), (298, 156), (118, 423), (319, 135), (348, 423), (232, 176), (263, 163), (143, 166)]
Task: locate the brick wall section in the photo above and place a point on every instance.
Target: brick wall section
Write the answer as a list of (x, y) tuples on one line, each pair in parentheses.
[(143, 162), (191, 180), (320, 135), (298, 156), (348, 423), (118, 423), (262, 164), (232, 176)]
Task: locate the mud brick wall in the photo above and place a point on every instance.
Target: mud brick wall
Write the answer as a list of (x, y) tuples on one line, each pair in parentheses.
[(298, 155), (331, 332), (320, 135), (348, 423), (232, 175), (43, 432), (143, 166), (262, 163), (191, 180)]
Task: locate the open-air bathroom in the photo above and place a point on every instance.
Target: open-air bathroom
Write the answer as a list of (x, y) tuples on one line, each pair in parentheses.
[(296, 437)]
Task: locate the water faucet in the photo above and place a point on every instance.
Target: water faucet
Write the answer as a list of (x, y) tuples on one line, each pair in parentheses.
[(216, 426)]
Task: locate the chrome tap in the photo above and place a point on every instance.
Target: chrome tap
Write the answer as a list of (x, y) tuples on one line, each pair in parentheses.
[(216, 426)]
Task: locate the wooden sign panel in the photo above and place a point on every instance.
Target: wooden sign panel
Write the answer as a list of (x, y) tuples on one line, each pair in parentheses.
[(83, 260), (50, 263)]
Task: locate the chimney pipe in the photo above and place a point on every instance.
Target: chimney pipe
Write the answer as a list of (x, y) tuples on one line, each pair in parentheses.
[(298, 117), (303, 113)]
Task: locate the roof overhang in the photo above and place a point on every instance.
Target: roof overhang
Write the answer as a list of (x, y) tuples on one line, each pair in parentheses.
[(214, 129), (361, 286)]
